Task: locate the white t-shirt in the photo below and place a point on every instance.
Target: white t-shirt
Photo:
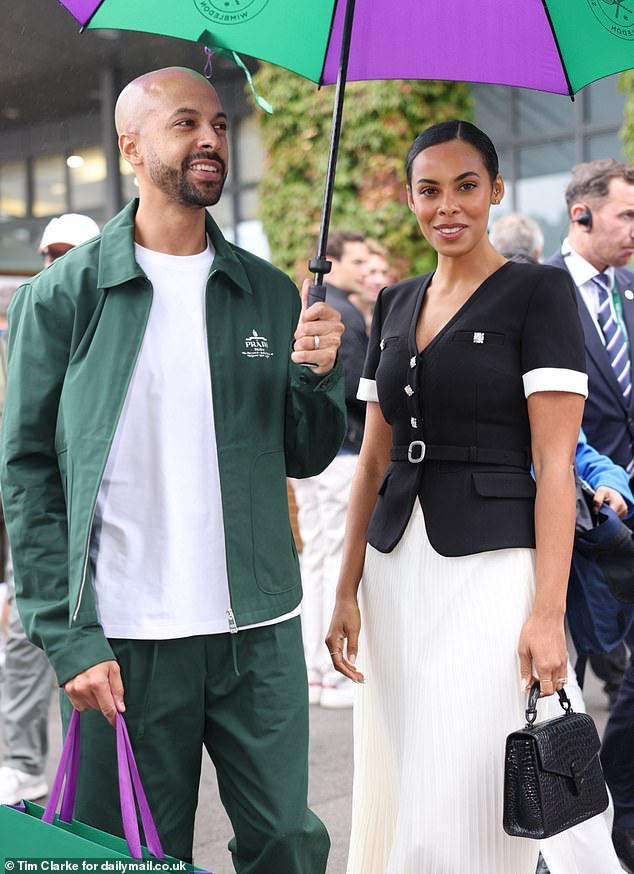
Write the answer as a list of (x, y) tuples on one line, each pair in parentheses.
[(157, 548)]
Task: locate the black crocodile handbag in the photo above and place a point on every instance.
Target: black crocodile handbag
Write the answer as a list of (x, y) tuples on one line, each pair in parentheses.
[(552, 774)]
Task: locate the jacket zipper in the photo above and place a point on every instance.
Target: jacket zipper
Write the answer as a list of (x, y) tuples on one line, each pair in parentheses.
[(103, 469), (233, 627), (87, 554)]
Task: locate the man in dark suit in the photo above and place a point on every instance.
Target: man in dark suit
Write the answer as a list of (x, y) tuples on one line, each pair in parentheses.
[(599, 245)]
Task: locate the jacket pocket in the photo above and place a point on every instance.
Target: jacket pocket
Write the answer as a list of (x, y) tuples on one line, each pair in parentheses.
[(275, 561), (503, 484), (389, 343), (479, 338)]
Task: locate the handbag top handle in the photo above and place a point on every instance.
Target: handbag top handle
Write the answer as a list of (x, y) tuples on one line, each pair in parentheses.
[(531, 707)]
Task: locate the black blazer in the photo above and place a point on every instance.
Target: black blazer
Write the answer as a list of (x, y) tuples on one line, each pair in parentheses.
[(464, 396), (352, 352), (607, 420)]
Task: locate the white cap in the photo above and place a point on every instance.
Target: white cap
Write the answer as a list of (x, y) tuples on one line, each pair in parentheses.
[(70, 228)]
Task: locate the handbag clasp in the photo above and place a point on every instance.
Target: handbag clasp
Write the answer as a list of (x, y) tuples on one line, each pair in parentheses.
[(578, 777)]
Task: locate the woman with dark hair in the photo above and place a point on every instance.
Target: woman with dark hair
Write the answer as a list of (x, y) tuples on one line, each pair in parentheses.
[(474, 372)]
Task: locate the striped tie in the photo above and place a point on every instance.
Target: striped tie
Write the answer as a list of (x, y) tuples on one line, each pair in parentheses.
[(615, 344)]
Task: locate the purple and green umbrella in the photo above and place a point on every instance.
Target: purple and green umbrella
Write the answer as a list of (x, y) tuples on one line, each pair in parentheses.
[(548, 45)]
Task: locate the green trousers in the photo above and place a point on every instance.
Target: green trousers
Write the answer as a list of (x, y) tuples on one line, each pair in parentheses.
[(244, 698)]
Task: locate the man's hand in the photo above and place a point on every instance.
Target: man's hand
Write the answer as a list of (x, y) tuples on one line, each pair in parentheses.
[(612, 498), (98, 688), (318, 334)]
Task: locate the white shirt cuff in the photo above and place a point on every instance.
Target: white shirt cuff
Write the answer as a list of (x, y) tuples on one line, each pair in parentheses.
[(555, 379), (367, 390)]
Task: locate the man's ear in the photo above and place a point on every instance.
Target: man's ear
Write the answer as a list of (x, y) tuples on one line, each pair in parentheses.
[(129, 148), (580, 213)]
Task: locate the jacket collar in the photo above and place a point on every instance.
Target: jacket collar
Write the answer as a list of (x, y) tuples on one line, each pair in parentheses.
[(117, 264), (580, 269)]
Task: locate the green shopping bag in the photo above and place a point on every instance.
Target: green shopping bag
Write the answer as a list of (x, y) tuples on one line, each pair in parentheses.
[(28, 831)]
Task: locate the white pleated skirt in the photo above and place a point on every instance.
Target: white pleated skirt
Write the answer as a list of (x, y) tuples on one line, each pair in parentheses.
[(439, 651)]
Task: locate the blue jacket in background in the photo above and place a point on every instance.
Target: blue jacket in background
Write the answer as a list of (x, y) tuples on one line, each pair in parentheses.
[(599, 470), (597, 621)]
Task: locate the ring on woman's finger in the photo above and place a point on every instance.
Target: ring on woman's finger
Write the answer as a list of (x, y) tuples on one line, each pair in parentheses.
[(316, 341), (336, 652), (563, 680)]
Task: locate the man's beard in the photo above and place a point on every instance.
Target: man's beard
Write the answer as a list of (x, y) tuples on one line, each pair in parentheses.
[(178, 187)]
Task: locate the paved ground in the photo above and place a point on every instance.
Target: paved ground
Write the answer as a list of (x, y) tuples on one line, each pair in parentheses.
[(330, 785)]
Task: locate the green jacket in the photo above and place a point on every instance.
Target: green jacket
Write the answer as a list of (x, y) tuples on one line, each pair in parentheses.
[(74, 336)]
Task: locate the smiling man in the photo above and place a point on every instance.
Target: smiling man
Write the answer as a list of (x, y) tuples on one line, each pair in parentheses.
[(155, 403)]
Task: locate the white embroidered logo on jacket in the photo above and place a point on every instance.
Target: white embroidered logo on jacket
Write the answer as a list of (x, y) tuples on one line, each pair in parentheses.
[(256, 346)]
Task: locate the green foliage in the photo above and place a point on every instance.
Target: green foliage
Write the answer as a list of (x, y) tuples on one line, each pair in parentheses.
[(380, 121), (627, 131)]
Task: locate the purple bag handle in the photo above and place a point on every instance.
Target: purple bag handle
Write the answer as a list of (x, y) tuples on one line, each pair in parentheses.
[(129, 787), (127, 791), (67, 768)]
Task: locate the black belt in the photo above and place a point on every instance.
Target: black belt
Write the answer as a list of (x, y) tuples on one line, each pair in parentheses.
[(416, 451)]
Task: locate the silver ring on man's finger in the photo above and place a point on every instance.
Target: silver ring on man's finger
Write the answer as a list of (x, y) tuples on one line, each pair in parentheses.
[(316, 341), (563, 680), (336, 652)]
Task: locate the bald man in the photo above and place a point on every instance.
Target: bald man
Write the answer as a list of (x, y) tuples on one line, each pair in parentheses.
[(156, 402)]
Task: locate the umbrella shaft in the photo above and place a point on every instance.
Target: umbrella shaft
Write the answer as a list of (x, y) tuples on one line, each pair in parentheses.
[(317, 292)]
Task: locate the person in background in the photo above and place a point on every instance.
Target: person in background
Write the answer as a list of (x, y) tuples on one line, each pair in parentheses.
[(4, 540), (28, 676), (322, 501), (377, 277), (517, 234), (595, 253), (65, 232)]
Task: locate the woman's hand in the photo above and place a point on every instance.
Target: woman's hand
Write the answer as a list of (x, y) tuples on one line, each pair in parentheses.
[(343, 637), (555, 419), (543, 644)]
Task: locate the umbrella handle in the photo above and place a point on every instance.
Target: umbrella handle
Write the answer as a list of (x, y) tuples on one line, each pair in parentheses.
[(317, 289), (316, 293)]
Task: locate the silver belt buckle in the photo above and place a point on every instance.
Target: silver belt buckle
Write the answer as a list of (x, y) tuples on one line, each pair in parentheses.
[(413, 446)]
